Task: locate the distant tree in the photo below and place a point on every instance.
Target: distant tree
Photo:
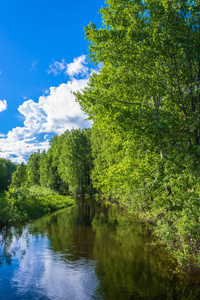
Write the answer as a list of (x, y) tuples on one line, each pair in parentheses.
[(75, 160), (33, 168), (6, 170), (11, 167), (44, 169), (3, 173), (53, 154), (19, 177)]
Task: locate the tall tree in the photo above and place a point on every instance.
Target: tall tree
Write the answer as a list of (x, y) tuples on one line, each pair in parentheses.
[(3, 172), (75, 160), (148, 85), (33, 168), (19, 177), (6, 170), (44, 169), (150, 74), (145, 107)]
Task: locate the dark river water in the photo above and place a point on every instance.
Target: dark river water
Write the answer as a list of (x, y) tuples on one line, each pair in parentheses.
[(83, 253)]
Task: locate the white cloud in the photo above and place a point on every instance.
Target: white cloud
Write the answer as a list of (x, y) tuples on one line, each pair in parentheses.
[(53, 113), (78, 66), (57, 67), (18, 150), (3, 105)]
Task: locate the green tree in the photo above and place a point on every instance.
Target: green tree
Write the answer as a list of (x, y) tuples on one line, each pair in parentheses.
[(19, 177), (75, 160), (54, 153), (145, 105), (33, 168), (11, 167), (148, 86), (44, 169), (3, 173), (6, 170), (149, 79)]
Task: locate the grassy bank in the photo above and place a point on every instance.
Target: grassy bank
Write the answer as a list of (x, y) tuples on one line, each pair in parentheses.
[(23, 204)]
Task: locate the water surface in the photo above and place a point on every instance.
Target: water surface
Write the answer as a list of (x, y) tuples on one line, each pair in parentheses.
[(87, 252)]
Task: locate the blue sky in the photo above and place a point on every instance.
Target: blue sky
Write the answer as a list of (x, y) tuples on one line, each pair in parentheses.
[(43, 56)]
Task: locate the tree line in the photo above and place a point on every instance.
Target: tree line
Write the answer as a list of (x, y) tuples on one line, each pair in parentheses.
[(64, 168)]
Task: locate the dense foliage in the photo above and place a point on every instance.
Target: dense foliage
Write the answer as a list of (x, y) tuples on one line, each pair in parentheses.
[(6, 170), (24, 204), (145, 105)]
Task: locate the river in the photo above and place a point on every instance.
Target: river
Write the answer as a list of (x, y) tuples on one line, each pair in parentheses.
[(87, 252)]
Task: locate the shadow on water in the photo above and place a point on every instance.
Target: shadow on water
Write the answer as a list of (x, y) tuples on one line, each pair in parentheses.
[(107, 252)]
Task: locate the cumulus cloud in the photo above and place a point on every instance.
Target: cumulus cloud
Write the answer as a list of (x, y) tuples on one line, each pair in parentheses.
[(77, 67), (19, 150), (3, 105), (54, 113)]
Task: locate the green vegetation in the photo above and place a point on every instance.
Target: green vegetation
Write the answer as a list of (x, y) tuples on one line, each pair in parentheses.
[(6, 170), (145, 107), (23, 204)]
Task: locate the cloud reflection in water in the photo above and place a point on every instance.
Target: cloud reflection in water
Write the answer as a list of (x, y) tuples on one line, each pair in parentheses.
[(43, 274)]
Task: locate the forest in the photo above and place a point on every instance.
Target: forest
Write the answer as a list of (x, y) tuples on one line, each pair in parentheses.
[(143, 150)]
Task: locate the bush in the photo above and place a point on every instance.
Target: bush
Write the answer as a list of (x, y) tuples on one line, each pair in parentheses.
[(23, 204)]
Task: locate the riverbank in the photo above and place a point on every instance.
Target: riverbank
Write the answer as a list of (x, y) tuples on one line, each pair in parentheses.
[(23, 204), (166, 236), (178, 234), (182, 246)]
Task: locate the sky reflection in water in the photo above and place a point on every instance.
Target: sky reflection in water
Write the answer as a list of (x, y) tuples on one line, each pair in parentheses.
[(36, 272)]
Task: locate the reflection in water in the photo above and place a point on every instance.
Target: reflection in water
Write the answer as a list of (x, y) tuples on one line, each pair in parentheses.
[(49, 276), (86, 252)]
